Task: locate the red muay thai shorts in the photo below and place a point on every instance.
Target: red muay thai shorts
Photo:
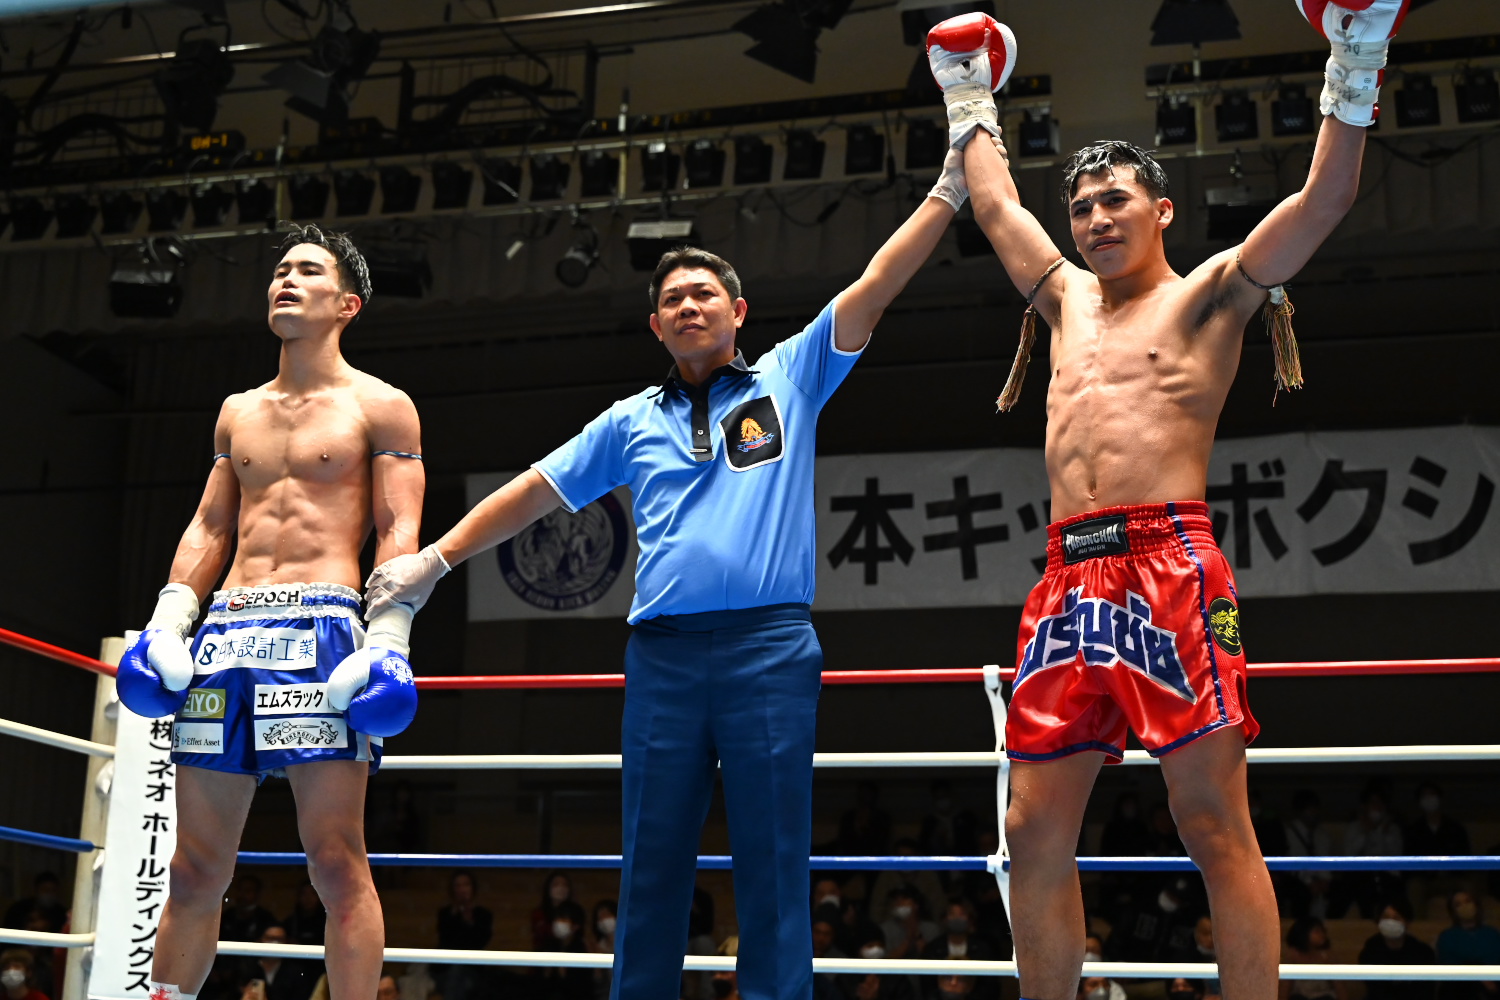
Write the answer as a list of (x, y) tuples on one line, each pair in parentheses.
[(1134, 626)]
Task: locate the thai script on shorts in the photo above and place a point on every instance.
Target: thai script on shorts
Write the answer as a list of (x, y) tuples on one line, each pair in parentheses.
[(1106, 633)]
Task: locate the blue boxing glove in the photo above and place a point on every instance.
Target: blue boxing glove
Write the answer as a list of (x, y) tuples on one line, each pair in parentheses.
[(157, 667), (373, 686)]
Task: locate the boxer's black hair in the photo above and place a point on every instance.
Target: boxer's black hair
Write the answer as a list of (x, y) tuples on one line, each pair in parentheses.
[(1102, 157), (693, 257), (354, 273)]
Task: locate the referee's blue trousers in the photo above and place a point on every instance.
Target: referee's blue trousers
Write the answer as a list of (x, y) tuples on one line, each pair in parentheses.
[(738, 689)]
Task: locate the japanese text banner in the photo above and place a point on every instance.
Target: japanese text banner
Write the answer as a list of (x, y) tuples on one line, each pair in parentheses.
[(142, 832), (1317, 513)]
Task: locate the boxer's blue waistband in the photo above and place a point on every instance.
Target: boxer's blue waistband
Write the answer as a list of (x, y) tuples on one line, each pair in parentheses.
[(712, 621)]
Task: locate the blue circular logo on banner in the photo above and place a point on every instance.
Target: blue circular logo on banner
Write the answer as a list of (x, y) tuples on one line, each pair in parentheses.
[(564, 561)]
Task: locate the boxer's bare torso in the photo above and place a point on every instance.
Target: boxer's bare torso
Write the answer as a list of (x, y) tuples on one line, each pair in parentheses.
[(302, 463), (1137, 387)]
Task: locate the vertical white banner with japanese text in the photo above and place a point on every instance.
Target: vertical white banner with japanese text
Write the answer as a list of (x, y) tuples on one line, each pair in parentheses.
[(1351, 512), (142, 834)]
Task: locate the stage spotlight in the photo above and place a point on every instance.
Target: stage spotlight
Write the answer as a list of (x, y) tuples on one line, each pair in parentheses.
[(144, 291), (1193, 22), (704, 162), (1293, 112), (752, 160), (804, 156), (647, 241), (191, 83), (211, 205), (579, 259), (1235, 118), (318, 82), (450, 185), (353, 192), (399, 189), (1417, 102), (1038, 134), (659, 167), (308, 194), (926, 144), (118, 212), (1176, 124), (1478, 96), (398, 268), (29, 219), (549, 177), (257, 202), (784, 42), (75, 215), (502, 182), (165, 208), (598, 174), (864, 150)]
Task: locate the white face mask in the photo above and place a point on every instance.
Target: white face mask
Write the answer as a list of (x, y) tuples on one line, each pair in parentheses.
[(1092, 956), (872, 951), (1392, 929), (901, 912), (1166, 902), (12, 978), (829, 901), (1099, 993), (958, 950), (606, 925), (1205, 951), (562, 929)]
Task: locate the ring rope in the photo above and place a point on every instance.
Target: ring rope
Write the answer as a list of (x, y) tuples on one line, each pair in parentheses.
[(46, 840), (59, 740), (47, 939)]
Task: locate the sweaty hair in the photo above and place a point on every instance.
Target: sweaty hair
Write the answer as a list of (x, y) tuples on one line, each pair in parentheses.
[(693, 257), (1102, 157), (354, 273)]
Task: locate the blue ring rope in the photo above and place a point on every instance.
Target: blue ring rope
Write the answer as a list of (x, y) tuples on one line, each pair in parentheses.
[(45, 840)]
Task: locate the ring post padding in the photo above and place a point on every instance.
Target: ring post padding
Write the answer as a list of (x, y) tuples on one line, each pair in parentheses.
[(999, 864), (93, 826)]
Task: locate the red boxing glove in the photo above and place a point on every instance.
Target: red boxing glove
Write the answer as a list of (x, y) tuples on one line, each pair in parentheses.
[(1360, 32), (971, 56)]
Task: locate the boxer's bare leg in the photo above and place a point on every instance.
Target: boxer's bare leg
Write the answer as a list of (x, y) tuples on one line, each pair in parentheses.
[(211, 810), (330, 817), (1041, 829), (1206, 790)]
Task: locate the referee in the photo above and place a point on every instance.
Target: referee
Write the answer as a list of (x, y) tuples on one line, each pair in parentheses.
[(723, 668)]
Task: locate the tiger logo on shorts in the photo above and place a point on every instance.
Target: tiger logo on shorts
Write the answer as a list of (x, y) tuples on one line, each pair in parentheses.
[(1224, 619)]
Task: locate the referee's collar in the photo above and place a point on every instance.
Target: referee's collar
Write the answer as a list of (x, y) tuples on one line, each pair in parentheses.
[(737, 368)]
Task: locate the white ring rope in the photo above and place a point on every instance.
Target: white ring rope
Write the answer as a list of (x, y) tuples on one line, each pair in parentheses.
[(51, 739), (893, 966), (47, 939)]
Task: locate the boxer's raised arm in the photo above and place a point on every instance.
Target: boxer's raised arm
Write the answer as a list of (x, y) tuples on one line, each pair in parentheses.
[(861, 305), (1024, 248), (397, 483), (204, 549)]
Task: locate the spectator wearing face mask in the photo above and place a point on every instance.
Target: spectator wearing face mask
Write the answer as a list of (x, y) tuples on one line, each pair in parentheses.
[(906, 927), (1373, 833), (284, 978), (462, 925), (1099, 988), (1205, 951), (1093, 948), (606, 917), (1155, 931), (566, 935), (16, 965), (1307, 893), (1470, 941), (957, 940), (1392, 945), (825, 984), (557, 889), (1433, 832), (873, 985), (926, 883), (1185, 989), (1307, 944), (45, 899)]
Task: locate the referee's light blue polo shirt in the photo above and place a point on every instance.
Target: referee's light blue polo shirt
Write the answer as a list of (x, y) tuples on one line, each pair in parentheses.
[(721, 477)]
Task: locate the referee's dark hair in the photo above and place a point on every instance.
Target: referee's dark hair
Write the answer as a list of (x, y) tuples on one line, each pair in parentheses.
[(693, 257), (354, 273)]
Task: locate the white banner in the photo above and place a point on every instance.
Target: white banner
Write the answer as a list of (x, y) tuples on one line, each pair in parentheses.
[(1319, 513), (142, 837)]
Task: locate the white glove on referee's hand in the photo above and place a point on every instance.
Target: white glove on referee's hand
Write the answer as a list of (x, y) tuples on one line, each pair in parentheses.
[(405, 580)]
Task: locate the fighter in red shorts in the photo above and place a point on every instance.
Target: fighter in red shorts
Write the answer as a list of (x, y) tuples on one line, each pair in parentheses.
[(1135, 624)]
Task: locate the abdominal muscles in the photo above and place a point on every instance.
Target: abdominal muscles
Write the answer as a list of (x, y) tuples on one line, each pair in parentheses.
[(302, 531)]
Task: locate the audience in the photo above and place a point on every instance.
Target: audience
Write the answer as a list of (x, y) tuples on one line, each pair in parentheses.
[(1306, 837), (46, 899), (947, 829), (387, 988), (1307, 944), (308, 919), (726, 984), (956, 940), (416, 983), (244, 919), (606, 917), (566, 935), (1392, 945), (466, 926), (557, 889), (283, 978), (1099, 988), (1470, 941), (925, 884), (1157, 931), (824, 927), (906, 928), (1373, 833), (874, 986), (1434, 833), (16, 967)]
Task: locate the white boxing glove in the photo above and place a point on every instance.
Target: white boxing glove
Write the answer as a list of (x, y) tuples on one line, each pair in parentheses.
[(157, 667), (971, 57), (1360, 32)]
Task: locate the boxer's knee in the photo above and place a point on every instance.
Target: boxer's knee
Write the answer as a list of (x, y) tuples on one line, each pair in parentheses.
[(339, 870), (200, 878), (1214, 829)]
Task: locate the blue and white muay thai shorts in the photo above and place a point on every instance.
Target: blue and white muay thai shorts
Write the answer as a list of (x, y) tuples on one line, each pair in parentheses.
[(258, 701)]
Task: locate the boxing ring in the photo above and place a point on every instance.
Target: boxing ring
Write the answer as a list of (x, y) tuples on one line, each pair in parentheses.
[(89, 844)]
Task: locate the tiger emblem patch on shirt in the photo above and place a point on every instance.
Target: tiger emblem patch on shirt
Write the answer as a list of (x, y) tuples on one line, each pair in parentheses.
[(753, 434)]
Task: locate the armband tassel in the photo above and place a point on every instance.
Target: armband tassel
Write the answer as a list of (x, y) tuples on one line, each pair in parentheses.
[(1011, 394), (1277, 314)]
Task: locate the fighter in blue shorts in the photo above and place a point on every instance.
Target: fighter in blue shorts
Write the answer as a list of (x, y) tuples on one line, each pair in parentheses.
[(283, 678)]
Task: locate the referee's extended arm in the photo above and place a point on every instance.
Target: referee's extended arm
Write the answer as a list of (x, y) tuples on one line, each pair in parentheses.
[(863, 303), (499, 516)]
